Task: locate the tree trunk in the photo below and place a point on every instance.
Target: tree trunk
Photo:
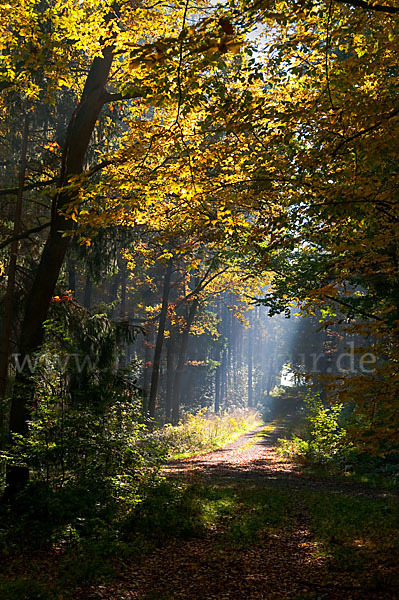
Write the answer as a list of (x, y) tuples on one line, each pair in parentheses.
[(223, 377), (88, 291), (79, 133), (159, 342), (113, 291), (217, 388), (182, 361), (169, 375), (122, 312), (250, 398), (5, 340), (218, 356), (270, 377), (235, 353), (147, 367), (72, 276)]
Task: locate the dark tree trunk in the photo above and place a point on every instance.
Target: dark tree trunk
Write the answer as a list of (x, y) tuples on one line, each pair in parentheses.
[(72, 276), (235, 353), (223, 357), (122, 311), (250, 393), (79, 133), (239, 347), (229, 336), (88, 291), (217, 389), (182, 361), (223, 377), (113, 291), (170, 364), (147, 368), (258, 356), (218, 356), (5, 341), (159, 341)]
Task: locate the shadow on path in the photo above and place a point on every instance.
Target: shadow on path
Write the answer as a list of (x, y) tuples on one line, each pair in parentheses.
[(254, 457)]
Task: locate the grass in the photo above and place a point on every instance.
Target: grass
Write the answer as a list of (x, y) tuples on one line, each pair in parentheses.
[(205, 432), (348, 465), (260, 435), (368, 477), (349, 533)]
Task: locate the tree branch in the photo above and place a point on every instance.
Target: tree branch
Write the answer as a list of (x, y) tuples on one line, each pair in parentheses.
[(353, 308), (393, 10), (31, 186), (390, 115), (24, 234), (128, 95)]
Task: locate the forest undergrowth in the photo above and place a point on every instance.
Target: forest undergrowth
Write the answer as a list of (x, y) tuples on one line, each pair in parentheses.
[(241, 522)]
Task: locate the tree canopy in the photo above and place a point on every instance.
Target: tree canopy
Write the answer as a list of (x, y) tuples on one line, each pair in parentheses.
[(175, 164)]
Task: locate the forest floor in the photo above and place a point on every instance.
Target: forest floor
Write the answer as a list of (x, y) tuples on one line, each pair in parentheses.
[(249, 524)]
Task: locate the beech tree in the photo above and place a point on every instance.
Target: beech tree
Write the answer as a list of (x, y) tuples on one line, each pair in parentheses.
[(102, 54)]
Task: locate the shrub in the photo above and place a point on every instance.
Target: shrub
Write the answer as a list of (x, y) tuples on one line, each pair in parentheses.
[(205, 431), (87, 467), (24, 588), (323, 438), (295, 446), (326, 435)]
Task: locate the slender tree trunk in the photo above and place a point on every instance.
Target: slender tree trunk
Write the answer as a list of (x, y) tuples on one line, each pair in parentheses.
[(229, 347), (170, 364), (5, 341), (159, 341), (88, 291), (218, 359), (223, 363), (125, 354), (217, 389), (71, 276), (147, 367), (123, 291), (239, 347), (182, 361), (258, 355), (78, 137), (223, 378), (250, 392), (113, 291), (235, 353), (270, 377)]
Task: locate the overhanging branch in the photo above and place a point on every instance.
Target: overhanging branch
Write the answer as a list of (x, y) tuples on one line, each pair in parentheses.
[(393, 10), (24, 234)]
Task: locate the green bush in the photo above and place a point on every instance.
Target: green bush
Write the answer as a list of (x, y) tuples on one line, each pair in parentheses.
[(326, 435), (323, 438), (295, 446), (24, 588), (87, 468)]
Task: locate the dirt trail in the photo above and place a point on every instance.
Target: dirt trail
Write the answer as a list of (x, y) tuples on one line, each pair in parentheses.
[(253, 457), (286, 563)]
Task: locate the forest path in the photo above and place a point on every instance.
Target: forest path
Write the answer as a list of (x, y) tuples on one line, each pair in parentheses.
[(271, 533), (252, 455)]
